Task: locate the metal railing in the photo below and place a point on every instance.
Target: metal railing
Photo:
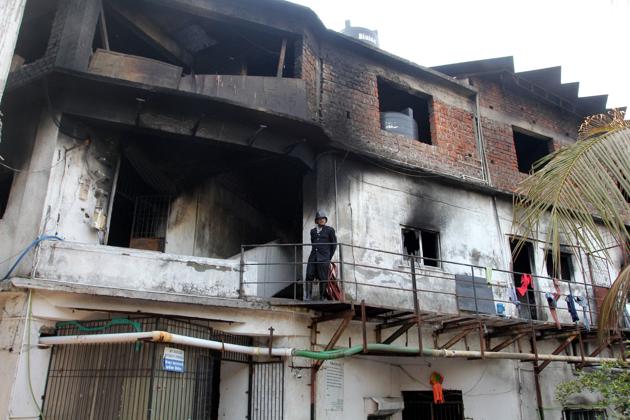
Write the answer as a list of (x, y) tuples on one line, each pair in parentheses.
[(280, 272)]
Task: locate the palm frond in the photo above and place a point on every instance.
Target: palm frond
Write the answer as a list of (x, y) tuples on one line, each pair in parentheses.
[(614, 305), (578, 194)]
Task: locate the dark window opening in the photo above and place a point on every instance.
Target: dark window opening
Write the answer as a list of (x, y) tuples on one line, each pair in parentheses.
[(564, 270), (207, 202), (530, 149), (402, 111), (584, 414), (140, 212), (422, 243), (6, 180), (34, 32), (198, 44), (523, 263), (420, 405)]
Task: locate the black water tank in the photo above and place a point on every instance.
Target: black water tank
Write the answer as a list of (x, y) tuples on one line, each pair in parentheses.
[(400, 123)]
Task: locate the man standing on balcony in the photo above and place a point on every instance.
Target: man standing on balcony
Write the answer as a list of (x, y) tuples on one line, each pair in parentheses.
[(324, 246)]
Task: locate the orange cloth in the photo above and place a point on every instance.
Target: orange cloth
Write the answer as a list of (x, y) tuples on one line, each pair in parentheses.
[(438, 395)]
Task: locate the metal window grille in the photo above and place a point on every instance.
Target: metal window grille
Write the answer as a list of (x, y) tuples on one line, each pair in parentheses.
[(150, 218), (584, 414), (267, 391), (126, 381)]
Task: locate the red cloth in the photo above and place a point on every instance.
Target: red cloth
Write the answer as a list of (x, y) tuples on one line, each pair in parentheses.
[(332, 286), (526, 280), (438, 395)]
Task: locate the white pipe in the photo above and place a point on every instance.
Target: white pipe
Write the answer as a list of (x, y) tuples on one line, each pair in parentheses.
[(162, 337), (166, 337)]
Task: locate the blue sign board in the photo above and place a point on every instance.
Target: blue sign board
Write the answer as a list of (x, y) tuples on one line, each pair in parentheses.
[(173, 360)]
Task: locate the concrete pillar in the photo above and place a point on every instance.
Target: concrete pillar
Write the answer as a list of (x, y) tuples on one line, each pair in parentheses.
[(13, 310), (11, 14)]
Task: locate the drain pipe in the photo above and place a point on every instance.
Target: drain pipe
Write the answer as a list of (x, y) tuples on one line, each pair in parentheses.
[(383, 349)]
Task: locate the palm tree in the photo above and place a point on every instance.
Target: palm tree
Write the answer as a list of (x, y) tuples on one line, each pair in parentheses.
[(575, 192)]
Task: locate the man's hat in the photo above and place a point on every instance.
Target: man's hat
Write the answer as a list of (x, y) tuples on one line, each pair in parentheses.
[(321, 214)]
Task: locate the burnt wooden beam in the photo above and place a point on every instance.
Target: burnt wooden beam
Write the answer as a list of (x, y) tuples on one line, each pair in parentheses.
[(400, 331), (151, 33), (559, 349), (74, 46), (102, 24), (283, 51)]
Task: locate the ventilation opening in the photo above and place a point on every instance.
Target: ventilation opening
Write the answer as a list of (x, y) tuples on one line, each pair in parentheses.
[(530, 149), (421, 243), (200, 45), (6, 180), (403, 112), (34, 32), (584, 414), (564, 270)]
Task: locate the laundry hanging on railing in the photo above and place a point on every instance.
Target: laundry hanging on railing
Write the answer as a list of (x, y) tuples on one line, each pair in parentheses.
[(512, 294), (552, 300), (583, 302), (526, 280), (571, 308)]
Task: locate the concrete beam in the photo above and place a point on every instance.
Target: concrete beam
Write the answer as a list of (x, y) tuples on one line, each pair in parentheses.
[(11, 14), (77, 35)]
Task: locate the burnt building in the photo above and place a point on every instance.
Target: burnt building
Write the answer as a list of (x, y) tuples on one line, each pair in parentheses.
[(162, 165)]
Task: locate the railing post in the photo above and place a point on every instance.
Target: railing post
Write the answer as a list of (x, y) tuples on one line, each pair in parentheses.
[(241, 285), (340, 279)]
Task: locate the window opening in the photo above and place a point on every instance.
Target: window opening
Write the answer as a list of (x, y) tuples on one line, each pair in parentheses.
[(6, 180), (530, 149), (422, 243), (523, 263), (403, 112), (200, 45), (564, 270), (584, 414), (420, 405)]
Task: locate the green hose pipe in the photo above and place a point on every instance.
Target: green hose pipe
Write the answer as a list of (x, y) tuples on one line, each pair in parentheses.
[(341, 353)]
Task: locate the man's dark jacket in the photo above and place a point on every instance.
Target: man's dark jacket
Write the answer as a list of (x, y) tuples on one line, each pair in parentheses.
[(323, 253)]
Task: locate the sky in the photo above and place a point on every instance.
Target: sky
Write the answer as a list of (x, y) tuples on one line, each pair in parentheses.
[(588, 38)]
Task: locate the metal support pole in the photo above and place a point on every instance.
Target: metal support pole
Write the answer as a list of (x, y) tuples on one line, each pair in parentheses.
[(295, 274), (416, 303), (363, 326), (482, 344)]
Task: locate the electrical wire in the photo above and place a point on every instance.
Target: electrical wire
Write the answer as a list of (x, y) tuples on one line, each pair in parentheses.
[(27, 249)]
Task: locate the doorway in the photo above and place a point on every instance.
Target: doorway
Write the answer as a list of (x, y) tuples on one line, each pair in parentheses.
[(523, 262), (419, 405)]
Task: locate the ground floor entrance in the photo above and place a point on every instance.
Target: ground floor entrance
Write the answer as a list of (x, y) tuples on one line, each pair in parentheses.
[(419, 405)]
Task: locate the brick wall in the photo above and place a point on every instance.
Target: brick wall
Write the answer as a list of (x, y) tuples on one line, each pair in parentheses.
[(504, 107), (350, 113)]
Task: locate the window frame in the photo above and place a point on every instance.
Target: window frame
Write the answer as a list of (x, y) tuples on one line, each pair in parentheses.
[(420, 256)]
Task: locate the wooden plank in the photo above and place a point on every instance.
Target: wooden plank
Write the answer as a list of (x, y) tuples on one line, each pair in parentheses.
[(151, 33), (10, 19), (135, 69)]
